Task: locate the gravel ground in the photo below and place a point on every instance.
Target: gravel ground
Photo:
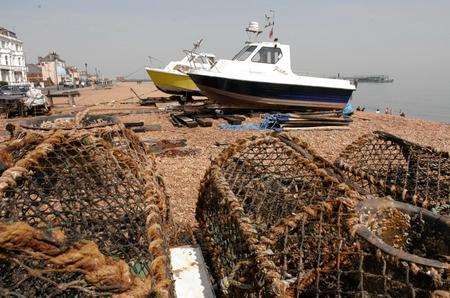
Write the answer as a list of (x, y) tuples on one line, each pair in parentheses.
[(182, 175)]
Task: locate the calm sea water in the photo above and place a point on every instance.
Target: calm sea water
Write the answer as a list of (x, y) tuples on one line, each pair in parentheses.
[(418, 100)]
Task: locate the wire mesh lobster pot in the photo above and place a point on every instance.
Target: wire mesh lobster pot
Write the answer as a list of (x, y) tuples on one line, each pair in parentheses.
[(32, 132), (386, 164), (274, 223), (82, 213)]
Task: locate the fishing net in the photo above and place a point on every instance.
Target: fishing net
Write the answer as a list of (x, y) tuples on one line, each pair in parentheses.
[(277, 220), (384, 164), (82, 213)]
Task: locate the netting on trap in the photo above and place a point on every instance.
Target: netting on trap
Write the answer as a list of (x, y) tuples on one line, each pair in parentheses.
[(83, 213), (13, 150), (386, 164), (273, 222), (31, 132)]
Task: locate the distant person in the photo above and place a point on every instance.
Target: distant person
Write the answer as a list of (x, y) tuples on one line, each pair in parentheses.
[(378, 111), (386, 110)]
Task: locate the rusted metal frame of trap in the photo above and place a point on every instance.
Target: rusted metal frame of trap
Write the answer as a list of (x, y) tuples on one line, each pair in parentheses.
[(159, 266), (399, 191)]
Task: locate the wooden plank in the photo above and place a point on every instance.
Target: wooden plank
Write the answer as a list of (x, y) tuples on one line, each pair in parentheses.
[(145, 128), (232, 120), (175, 121), (318, 128), (218, 144), (147, 102), (124, 111), (204, 122), (190, 273), (189, 122), (318, 118), (312, 123), (133, 124), (137, 95), (158, 146), (63, 93), (317, 113)]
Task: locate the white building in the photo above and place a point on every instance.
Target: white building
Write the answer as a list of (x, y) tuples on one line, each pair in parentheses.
[(12, 59), (53, 68)]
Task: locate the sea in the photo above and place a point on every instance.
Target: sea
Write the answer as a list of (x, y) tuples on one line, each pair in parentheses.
[(416, 100)]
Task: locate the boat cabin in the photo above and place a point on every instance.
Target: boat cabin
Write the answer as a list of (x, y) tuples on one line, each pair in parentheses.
[(266, 55), (192, 60)]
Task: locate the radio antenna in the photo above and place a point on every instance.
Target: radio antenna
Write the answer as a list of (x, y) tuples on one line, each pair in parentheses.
[(270, 22)]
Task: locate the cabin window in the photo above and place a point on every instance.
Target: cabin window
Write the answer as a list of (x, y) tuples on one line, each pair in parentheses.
[(267, 55), (199, 60), (244, 53), (182, 68)]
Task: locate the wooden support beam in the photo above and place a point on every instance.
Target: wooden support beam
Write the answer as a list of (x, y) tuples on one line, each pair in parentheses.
[(204, 122), (145, 128)]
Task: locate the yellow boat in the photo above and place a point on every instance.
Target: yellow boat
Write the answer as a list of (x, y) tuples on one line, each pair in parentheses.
[(173, 78), (171, 82)]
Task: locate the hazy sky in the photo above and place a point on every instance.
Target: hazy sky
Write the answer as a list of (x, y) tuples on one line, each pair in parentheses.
[(408, 39)]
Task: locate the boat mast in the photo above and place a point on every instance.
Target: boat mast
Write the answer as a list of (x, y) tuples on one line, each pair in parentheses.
[(270, 22), (192, 54), (253, 30)]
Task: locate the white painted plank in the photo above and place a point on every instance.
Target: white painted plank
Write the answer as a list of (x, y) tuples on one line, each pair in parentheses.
[(190, 273)]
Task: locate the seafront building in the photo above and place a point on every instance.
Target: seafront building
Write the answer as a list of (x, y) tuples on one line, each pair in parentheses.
[(74, 75), (13, 69), (34, 74), (53, 68)]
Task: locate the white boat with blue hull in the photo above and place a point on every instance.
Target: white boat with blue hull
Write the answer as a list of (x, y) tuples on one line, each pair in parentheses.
[(260, 76)]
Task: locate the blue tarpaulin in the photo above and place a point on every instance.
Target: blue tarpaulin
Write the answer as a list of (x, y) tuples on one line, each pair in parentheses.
[(348, 110), (270, 122)]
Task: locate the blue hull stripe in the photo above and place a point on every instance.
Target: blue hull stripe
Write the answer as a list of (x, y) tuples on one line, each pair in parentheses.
[(275, 91)]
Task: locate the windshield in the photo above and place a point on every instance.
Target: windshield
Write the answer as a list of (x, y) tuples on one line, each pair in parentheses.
[(267, 55), (244, 53)]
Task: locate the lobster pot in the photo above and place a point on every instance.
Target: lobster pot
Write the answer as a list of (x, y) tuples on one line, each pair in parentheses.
[(385, 164), (373, 248), (32, 132), (273, 222), (15, 149), (83, 214)]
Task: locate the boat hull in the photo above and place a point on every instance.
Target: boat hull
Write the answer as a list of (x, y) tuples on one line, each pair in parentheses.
[(252, 94), (172, 83)]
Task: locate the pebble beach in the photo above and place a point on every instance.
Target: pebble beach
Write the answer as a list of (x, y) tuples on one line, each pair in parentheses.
[(182, 174)]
